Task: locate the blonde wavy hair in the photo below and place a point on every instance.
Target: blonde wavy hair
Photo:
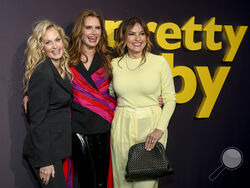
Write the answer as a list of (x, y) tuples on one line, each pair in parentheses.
[(34, 52), (122, 32)]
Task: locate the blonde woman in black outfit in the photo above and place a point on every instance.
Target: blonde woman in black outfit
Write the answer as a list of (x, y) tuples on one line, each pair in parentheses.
[(48, 85)]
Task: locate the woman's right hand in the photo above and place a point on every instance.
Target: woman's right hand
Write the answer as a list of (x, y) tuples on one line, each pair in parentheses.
[(46, 172), (25, 102)]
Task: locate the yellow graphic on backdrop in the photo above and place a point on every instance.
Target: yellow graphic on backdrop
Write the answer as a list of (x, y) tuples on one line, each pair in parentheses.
[(169, 36)]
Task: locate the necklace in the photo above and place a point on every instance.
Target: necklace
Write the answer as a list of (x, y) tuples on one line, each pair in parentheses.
[(131, 69), (86, 57), (89, 56)]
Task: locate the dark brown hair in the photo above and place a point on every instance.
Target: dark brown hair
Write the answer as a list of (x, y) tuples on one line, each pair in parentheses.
[(122, 33)]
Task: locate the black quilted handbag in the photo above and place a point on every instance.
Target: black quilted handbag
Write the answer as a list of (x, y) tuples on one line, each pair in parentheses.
[(147, 165)]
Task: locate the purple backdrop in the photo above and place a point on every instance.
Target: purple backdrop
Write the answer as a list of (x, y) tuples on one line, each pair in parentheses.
[(194, 145)]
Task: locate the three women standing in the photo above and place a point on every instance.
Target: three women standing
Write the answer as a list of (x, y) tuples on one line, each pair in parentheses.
[(139, 77)]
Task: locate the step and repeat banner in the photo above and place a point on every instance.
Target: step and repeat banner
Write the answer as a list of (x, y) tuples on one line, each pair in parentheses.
[(206, 44)]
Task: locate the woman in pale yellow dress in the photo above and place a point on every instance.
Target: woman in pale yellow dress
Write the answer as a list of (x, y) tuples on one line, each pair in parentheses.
[(139, 77)]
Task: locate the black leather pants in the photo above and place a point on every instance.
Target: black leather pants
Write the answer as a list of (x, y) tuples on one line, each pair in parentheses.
[(90, 156)]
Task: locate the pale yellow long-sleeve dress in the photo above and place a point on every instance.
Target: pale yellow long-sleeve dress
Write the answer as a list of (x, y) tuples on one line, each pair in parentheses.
[(138, 113)]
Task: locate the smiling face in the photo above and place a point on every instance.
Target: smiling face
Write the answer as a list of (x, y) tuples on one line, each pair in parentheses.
[(91, 32), (53, 45), (135, 41)]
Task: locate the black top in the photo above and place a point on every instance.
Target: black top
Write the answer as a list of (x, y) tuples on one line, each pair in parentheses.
[(49, 137), (83, 120)]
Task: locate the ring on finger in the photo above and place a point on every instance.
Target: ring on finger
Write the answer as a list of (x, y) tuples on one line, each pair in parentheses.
[(152, 141)]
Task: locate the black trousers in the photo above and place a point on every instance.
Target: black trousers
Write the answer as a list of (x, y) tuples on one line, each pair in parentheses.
[(56, 182), (90, 155)]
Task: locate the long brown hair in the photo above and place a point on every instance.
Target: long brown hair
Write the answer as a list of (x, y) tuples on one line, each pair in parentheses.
[(122, 33), (76, 43)]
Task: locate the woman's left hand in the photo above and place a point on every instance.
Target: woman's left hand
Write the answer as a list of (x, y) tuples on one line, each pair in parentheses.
[(160, 101), (152, 138)]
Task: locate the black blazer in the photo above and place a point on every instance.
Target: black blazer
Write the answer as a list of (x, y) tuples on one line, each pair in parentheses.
[(49, 137)]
